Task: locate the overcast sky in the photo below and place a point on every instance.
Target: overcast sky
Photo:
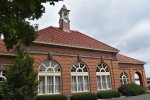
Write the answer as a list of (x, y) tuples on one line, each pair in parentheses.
[(123, 24)]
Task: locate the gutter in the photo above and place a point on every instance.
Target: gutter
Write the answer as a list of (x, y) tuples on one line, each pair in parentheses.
[(64, 54), (58, 54), (8, 54), (78, 47), (131, 62)]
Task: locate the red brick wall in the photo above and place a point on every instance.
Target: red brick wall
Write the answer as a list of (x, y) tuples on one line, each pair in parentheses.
[(6, 59), (66, 63), (132, 69), (71, 51)]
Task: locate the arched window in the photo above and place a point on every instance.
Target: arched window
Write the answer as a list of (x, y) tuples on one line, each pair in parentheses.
[(103, 77), (124, 78), (79, 78), (49, 78), (2, 76)]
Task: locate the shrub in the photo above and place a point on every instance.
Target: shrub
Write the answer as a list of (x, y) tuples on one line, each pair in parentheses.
[(51, 97), (149, 87), (108, 94), (21, 78), (131, 89), (84, 96), (1, 96)]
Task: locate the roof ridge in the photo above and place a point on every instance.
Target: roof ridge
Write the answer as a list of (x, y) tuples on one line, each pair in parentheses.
[(47, 28)]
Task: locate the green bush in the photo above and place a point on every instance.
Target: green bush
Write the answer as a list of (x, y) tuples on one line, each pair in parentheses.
[(149, 87), (84, 96), (108, 94), (1, 96), (131, 89), (51, 97)]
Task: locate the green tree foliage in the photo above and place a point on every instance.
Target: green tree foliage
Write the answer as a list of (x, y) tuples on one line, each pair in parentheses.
[(131, 89), (13, 20), (21, 81)]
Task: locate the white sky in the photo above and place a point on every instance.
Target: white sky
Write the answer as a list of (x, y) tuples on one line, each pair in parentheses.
[(123, 24)]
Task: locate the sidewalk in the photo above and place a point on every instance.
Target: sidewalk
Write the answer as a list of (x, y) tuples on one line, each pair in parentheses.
[(139, 97)]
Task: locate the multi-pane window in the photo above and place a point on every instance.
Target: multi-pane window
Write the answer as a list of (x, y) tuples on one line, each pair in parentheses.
[(49, 78), (2, 76), (103, 77), (79, 78), (124, 78)]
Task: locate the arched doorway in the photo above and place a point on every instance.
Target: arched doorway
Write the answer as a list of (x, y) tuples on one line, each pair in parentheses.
[(138, 78)]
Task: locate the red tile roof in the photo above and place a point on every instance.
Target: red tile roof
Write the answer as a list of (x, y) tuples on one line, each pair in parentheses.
[(124, 59), (71, 38), (3, 48)]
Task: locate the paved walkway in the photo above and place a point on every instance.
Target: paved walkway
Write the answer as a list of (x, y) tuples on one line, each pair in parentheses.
[(140, 97)]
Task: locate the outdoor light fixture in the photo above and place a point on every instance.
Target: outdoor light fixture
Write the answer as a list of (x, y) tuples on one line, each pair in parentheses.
[(78, 58), (102, 58), (50, 55)]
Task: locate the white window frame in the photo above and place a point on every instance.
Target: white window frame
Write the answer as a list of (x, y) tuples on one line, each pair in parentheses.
[(53, 74), (80, 74), (100, 74), (1, 76), (124, 75)]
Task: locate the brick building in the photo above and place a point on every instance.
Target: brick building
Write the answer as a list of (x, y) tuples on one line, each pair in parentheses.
[(68, 61)]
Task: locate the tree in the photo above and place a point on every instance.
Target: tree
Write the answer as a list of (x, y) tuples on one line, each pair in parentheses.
[(21, 81), (13, 20)]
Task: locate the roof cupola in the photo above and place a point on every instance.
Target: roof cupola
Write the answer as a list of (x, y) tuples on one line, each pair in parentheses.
[(64, 22)]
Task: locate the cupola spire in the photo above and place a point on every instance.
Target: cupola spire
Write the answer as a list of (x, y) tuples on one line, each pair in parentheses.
[(64, 22)]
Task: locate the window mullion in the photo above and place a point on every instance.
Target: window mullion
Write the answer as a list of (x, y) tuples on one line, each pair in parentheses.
[(106, 81), (46, 85), (54, 84), (101, 83), (89, 83), (77, 82), (83, 83), (126, 80)]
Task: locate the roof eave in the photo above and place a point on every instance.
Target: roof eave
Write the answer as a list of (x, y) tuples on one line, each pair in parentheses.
[(7, 54), (141, 63), (78, 47)]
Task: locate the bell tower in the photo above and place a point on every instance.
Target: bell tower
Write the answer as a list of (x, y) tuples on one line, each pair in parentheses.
[(64, 22)]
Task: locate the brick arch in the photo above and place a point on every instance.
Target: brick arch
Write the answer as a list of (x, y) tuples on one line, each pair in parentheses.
[(105, 65), (50, 60), (81, 63), (140, 77)]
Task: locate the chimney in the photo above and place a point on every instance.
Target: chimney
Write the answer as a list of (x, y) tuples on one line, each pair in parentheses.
[(64, 22)]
